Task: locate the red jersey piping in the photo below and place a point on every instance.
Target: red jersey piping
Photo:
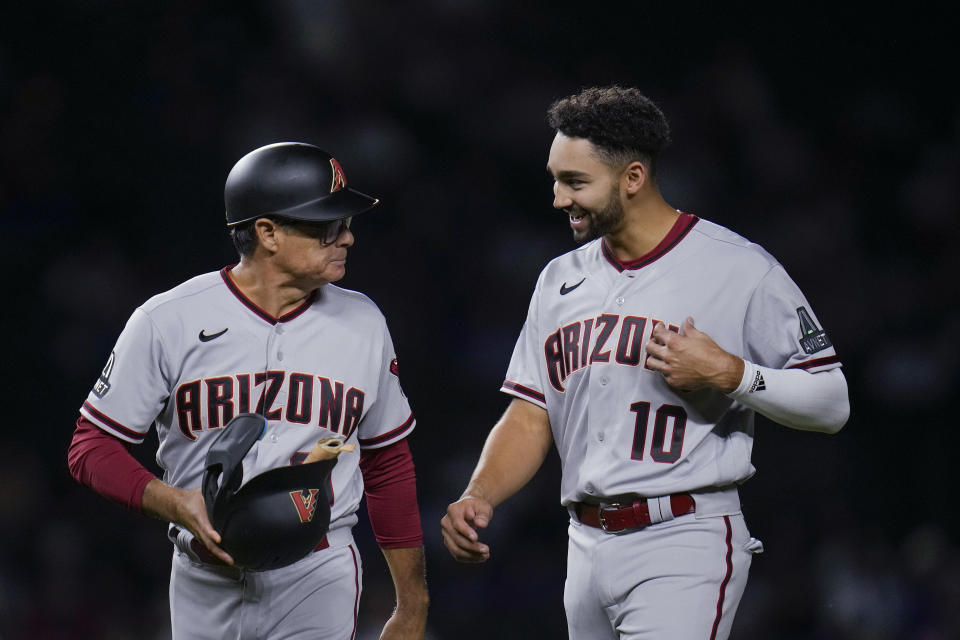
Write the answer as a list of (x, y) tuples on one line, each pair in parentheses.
[(383, 437), (677, 232), (249, 304)]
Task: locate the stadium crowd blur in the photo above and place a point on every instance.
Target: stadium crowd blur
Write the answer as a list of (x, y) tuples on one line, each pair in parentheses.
[(833, 141)]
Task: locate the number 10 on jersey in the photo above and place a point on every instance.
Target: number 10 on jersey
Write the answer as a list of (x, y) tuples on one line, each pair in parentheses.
[(668, 427)]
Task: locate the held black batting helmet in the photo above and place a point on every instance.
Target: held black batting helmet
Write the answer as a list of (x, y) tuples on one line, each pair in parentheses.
[(291, 180), (278, 516)]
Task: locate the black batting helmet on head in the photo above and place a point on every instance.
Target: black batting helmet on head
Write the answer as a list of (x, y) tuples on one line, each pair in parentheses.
[(278, 516), (291, 180)]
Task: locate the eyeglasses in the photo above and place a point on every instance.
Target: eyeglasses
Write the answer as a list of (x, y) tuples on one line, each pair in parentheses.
[(325, 232)]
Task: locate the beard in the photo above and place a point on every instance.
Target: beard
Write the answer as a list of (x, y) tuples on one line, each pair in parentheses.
[(600, 222)]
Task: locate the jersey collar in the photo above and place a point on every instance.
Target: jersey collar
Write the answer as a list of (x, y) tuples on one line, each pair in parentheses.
[(678, 232), (249, 304)]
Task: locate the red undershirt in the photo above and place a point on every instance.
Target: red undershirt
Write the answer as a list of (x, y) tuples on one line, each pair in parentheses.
[(103, 463)]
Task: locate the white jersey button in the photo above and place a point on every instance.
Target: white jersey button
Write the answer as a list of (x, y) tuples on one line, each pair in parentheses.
[(279, 355), (604, 380), (590, 488), (620, 300), (600, 436)]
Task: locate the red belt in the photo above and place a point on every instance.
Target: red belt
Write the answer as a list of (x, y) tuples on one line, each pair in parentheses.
[(615, 518)]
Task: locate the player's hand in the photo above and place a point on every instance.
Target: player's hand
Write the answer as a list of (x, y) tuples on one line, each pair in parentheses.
[(691, 360), (459, 527), (186, 508), (191, 512)]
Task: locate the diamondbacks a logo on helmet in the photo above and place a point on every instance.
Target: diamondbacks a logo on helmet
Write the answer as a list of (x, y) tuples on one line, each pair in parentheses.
[(305, 501), (339, 180)]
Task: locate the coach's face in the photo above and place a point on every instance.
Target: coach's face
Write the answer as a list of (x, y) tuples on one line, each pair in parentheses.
[(585, 187), (307, 260)]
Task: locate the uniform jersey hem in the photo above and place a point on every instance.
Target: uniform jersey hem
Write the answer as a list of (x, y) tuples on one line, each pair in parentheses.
[(110, 425), (390, 436), (526, 393), (818, 364)]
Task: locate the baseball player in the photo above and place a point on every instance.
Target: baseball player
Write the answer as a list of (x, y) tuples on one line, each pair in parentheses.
[(644, 356), (272, 336)]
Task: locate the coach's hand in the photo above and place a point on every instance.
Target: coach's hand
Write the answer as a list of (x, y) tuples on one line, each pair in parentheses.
[(460, 525), (186, 508), (691, 360)]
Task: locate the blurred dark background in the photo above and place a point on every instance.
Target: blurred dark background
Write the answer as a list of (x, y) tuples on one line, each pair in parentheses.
[(831, 136)]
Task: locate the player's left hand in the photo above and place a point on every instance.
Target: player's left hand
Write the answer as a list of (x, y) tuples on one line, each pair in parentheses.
[(691, 360)]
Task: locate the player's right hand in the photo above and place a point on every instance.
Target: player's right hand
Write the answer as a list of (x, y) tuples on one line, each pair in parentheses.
[(186, 508), (459, 527), (192, 512)]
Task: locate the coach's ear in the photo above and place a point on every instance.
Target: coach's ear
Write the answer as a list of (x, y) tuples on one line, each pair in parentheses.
[(266, 230), (635, 176)]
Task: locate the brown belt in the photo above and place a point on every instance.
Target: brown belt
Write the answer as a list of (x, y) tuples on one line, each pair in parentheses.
[(614, 518)]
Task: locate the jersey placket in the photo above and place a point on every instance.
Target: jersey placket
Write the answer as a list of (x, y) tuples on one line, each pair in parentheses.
[(274, 357), (606, 395)]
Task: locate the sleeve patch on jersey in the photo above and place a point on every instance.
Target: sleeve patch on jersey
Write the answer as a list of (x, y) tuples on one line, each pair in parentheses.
[(395, 370), (812, 337), (103, 383)]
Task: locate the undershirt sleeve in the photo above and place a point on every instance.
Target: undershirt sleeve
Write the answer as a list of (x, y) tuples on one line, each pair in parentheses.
[(102, 462), (795, 398), (390, 486)]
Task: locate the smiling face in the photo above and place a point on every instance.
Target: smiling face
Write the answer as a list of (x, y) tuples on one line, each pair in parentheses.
[(585, 187)]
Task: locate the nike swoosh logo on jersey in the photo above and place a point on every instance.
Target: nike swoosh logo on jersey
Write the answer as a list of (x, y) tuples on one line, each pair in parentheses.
[(213, 336), (564, 289)]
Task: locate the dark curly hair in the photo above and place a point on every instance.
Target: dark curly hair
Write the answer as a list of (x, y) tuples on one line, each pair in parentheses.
[(622, 123)]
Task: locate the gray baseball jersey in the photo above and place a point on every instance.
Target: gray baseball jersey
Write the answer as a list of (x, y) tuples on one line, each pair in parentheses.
[(190, 359), (619, 428)]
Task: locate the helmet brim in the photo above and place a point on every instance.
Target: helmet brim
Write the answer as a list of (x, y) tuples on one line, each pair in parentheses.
[(341, 204)]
